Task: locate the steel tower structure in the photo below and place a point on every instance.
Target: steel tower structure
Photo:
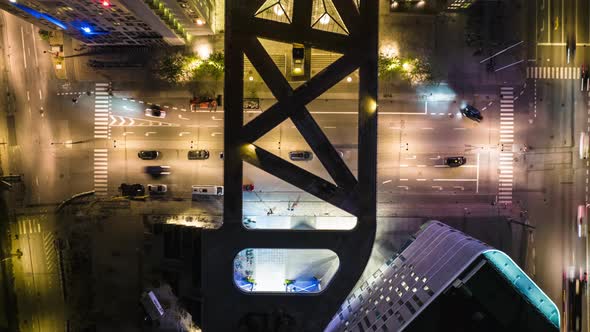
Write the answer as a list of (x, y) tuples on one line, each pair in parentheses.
[(225, 307)]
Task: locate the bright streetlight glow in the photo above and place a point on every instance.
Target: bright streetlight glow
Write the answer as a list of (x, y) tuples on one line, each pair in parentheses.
[(325, 19), (349, 79), (250, 78), (406, 66), (204, 51), (200, 22), (86, 29), (421, 3), (395, 4)]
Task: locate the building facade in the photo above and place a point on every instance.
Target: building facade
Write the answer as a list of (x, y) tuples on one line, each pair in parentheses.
[(119, 22), (445, 280)]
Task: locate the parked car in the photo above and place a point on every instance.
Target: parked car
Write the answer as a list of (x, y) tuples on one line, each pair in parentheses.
[(208, 190), (248, 187), (471, 113), (300, 155), (157, 171), (157, 188), (132, 190), (298, 60), (155, 112), (148, 154), (455, 161), (203, 103), (198, 155)]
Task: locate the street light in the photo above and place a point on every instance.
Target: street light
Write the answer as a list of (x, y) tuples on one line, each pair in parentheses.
[(325, 19)]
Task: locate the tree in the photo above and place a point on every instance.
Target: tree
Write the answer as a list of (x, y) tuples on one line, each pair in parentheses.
[(45, 35), (170, 67)]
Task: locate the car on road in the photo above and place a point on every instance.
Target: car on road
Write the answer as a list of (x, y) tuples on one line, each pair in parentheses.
[(132, 190), (581, 221), (208, 190), (248, 187), (155, 112), (455, 161), (198, 155), (148, 154), (298, 60), (574, 288), (157, 171), (471, 113), (203, 103), (570, 47), (584, 145), (585, 78), (300, 155), (157, 188)]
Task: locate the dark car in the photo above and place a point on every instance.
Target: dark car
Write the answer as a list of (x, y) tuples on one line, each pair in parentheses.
[(570, 47), (455, 161), (148, 155), (471, 113), (585, 77), (574, 287), (157, 171), (198, 155), (132, 189), (300, 155)]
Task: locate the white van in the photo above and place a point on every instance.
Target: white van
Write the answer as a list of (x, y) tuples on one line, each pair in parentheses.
[(208, 190)]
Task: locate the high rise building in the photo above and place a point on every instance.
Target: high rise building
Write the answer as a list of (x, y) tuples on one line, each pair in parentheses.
[(119, 22), (445, 280)]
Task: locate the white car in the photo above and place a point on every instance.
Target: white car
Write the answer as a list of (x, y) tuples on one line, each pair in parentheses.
[(584, 145), (155, 112), (157, 188)]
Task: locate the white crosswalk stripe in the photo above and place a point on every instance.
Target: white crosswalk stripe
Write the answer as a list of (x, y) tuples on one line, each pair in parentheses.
[(102, 104), (101, 167), (562, 73), (506, 157)]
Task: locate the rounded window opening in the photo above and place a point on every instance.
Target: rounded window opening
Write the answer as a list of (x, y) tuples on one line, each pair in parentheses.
[(297, 271), (270, 221)]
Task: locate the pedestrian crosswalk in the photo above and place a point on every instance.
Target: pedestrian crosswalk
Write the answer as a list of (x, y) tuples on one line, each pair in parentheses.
[(102, 106), (49, 250), (506, 161), (28, 226), (564, 73), (101, 162)]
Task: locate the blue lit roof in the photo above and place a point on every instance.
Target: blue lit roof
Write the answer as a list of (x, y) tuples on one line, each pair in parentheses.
[(39, 15), (523, 284)]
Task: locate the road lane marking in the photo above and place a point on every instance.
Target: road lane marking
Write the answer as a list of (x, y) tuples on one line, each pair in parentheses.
[(459, 187), (451, 180), (412, 157), (427, 128), (461, 128), (439, 188), (421, 165), (421, 180), (35, 45), (22, 36), (386, 181), (28, 96), (434, 158), (40, 95), (477, 175), (404, 187), (403, 165), (403, 179)]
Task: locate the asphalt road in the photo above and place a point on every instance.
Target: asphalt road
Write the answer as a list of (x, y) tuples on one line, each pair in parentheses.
[(561, 113)]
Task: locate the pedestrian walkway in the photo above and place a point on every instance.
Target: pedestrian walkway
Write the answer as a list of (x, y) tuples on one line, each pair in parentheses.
[(101, 171), (102, 107), (563, 73), (506, 141), (49, 251), (28, 226)]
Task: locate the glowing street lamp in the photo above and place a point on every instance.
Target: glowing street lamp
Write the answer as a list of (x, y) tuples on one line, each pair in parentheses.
[(325, 19)]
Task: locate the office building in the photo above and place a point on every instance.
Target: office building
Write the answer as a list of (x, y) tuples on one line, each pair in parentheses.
[(119, 22), (445, 280)]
